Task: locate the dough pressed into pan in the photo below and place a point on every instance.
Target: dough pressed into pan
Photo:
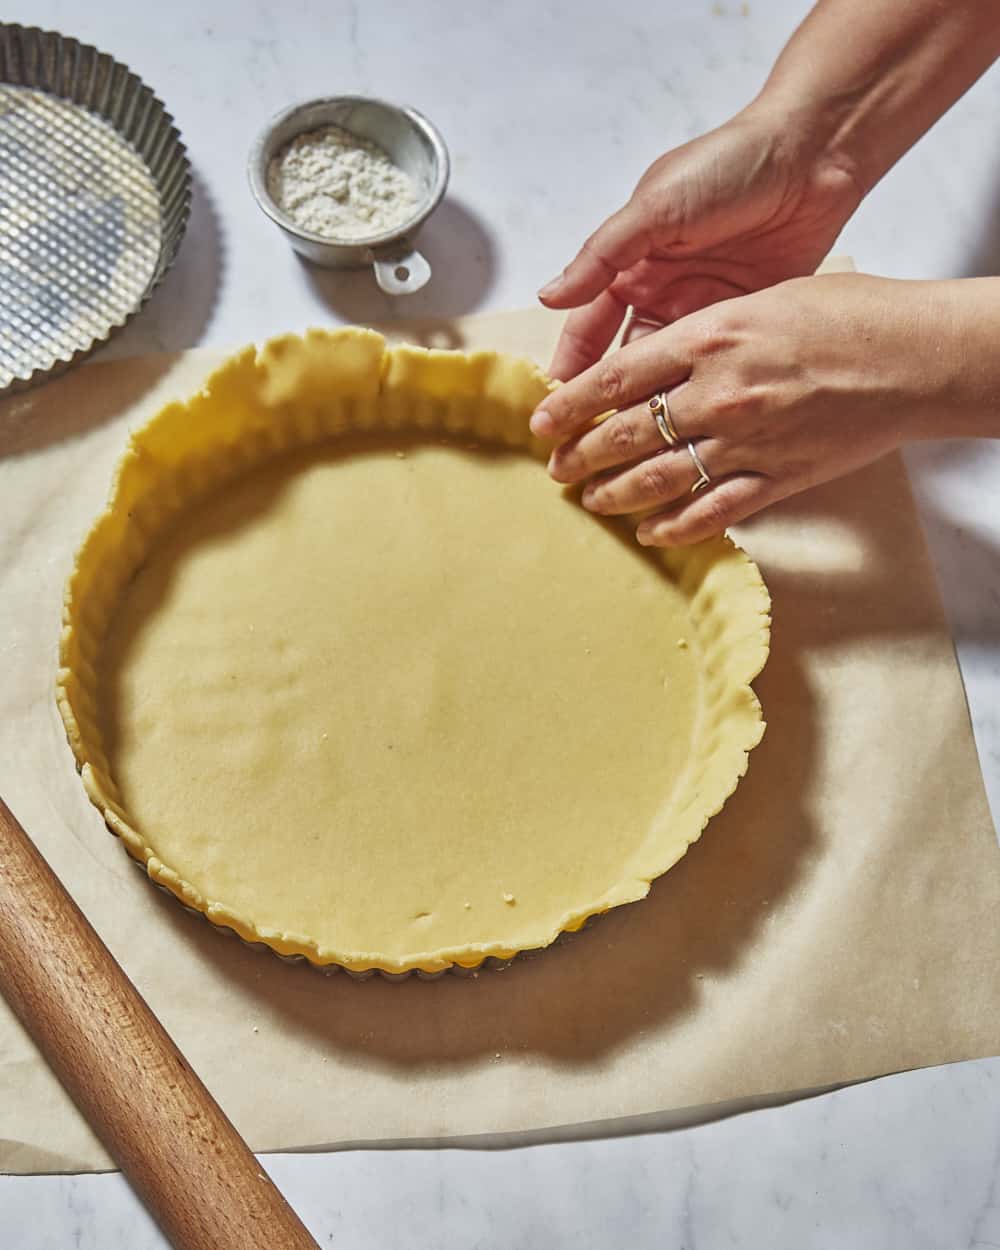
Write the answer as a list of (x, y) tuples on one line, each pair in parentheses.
[(350, 675)]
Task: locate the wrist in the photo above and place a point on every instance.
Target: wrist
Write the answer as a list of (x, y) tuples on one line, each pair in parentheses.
[(801, 138), (814, 134), (959, 327)]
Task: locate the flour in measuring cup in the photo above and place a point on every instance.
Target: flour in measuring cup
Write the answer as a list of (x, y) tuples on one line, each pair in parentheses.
[(332, 183)]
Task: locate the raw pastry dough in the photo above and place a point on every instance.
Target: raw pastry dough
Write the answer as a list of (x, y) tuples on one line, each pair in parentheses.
[(349, 674)]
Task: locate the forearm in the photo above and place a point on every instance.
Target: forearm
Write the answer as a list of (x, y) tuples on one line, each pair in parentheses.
[(862, 80)]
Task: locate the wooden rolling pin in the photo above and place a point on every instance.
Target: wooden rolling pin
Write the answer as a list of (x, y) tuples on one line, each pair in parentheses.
[(183, 1157)]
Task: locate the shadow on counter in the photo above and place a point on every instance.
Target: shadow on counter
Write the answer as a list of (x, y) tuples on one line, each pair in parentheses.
[(463, 258)]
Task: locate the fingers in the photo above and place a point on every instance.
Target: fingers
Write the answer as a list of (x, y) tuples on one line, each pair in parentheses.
[(650, 284), (621, 439), (628, 376), (710, 512), (617, 245), (587, 335), (658, 480), (665, 288)]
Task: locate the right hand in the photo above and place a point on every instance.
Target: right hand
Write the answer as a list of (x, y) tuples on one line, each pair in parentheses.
[(773, 393), (741, 208)]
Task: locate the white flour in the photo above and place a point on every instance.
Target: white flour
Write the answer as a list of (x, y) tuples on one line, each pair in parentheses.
[(335, 184)]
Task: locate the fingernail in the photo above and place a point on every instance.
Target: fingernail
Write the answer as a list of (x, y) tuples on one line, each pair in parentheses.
[(541, 424), (550, 288), (588, 497), (644, 537)]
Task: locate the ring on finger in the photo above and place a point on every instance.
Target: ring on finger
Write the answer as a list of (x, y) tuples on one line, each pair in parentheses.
[(659, 406), (637, 319), (703, 477)]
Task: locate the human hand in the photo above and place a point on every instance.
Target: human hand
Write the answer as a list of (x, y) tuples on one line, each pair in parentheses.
[(748, 205), (778, 390)]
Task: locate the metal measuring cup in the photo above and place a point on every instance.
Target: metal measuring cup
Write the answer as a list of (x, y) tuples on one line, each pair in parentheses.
[(410, 142)]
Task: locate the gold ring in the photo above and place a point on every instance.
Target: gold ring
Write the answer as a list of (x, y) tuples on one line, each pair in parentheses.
[(703, 477), (660, 409)]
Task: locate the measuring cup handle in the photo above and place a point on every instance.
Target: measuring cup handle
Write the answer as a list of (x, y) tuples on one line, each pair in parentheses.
[(401, 275)]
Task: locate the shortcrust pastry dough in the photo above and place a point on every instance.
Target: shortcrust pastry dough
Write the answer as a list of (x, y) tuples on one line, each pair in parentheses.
[(350, 675)]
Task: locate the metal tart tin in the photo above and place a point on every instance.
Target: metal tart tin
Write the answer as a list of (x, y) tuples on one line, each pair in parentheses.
[(95, 191)]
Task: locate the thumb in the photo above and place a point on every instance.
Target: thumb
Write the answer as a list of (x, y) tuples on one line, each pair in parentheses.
[(616, 246)]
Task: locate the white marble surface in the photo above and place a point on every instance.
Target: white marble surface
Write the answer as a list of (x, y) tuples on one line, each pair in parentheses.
[(551, 110)]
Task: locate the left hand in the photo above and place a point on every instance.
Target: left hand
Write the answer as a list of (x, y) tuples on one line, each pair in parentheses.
[(778, 391)]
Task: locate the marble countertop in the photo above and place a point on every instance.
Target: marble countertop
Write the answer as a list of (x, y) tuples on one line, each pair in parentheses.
[(551, 111)]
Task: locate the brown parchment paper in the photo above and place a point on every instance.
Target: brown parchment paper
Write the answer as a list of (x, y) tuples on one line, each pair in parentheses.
[(840, 919)]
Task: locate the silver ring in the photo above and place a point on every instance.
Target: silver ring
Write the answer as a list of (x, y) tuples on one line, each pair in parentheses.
[(635, 319), (703, 477), (660, 409)]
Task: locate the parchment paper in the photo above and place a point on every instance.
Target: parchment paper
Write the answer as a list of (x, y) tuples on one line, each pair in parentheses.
[(840, 919)]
